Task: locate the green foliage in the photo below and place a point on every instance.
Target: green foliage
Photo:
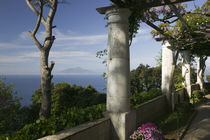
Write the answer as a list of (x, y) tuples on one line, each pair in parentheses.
[(10, 118), (134, 22), (173, 121), (197, 23), (135, 17), (145, 78), (206, 5), (144, 96), (178, 85), (71, 106), (8, 96), (179, 79), (101, 54), (65, 96), (208, 78), (198, 95), (67, 119)]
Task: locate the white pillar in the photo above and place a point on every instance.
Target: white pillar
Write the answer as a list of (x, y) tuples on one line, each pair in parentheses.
[(198, 68), (200, 73), (167, 63), (186, 70), (118, 69), (118, 65)]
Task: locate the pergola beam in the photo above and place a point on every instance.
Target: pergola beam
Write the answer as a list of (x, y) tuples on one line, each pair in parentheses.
[(158, 29), (155, 3), (175, 10), (143, 4)]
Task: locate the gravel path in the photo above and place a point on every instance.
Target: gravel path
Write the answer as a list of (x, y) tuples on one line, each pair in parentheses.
[(200, 127)]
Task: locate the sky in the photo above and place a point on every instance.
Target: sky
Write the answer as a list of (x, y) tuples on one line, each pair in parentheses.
[(80, 32)]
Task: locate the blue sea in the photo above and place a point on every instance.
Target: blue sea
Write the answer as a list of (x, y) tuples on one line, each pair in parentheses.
[(25, 85)]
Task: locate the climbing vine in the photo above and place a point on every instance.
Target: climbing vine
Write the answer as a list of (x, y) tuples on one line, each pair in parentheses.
[(196, 41)]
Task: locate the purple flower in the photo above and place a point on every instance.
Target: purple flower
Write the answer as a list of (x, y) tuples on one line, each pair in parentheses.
[(148, 131)]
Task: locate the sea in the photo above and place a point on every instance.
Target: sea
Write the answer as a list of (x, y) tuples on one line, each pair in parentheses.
[(25, 85)]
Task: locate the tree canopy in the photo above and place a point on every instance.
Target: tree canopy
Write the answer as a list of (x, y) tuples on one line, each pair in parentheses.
[(196, 41), (190, 31)]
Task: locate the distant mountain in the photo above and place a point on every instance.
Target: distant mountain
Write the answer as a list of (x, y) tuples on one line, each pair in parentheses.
[(77, 70)]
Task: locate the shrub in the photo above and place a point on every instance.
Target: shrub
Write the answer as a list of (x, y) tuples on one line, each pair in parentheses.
[(148, 131), (10, 117), (178, 85), (144, 96), (171, 123), (65, 96), (199, 95), (70, 118)]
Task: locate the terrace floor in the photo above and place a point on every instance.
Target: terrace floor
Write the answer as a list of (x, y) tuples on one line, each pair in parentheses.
[(200, 126)]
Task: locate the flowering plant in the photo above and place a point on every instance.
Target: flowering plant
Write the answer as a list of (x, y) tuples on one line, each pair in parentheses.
[(148, 131)]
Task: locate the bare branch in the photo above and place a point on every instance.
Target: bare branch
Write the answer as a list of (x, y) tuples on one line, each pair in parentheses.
[(53, 27), (52, 63), (52, 11), (35, 40), (39, 19), (49, 39), (35, 11), (33, 34)]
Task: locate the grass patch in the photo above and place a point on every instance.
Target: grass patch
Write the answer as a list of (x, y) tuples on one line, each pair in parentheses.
[(173, 123)]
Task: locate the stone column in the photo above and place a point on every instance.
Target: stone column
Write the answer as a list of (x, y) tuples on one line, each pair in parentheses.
[(186, 72), (200, 72), (167, 64), (118, 70)]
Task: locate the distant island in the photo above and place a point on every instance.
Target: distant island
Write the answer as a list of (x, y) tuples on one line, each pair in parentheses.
[(77, 70)]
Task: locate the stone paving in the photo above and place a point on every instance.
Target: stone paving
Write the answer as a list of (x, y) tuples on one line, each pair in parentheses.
[(200, 126)]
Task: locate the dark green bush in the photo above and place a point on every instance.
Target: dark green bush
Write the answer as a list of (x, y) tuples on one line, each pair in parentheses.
[(10, 114), (144, 96), (71, 106), (199, 95), (67, 119), (178, 85), (171, 122), (144, 78), (65, 96)]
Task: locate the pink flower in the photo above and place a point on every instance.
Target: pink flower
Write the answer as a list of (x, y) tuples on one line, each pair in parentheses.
[(148, 131)]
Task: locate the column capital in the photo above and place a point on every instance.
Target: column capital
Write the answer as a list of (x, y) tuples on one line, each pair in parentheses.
[(118, 15), (167, 44)]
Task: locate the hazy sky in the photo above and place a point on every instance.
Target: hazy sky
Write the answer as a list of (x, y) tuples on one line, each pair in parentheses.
[(80, 33)]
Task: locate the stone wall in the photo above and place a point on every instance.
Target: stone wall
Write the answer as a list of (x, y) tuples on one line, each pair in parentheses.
[(151, 110), (195, 87), (97, 130), (101, 128), (207, 87), (181, 96)]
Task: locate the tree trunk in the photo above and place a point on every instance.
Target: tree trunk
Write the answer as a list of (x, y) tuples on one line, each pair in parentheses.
[(46, 76), (45, 84), (200, 71)]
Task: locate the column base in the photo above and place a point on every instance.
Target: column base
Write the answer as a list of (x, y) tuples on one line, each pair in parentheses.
[(122, 124)]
